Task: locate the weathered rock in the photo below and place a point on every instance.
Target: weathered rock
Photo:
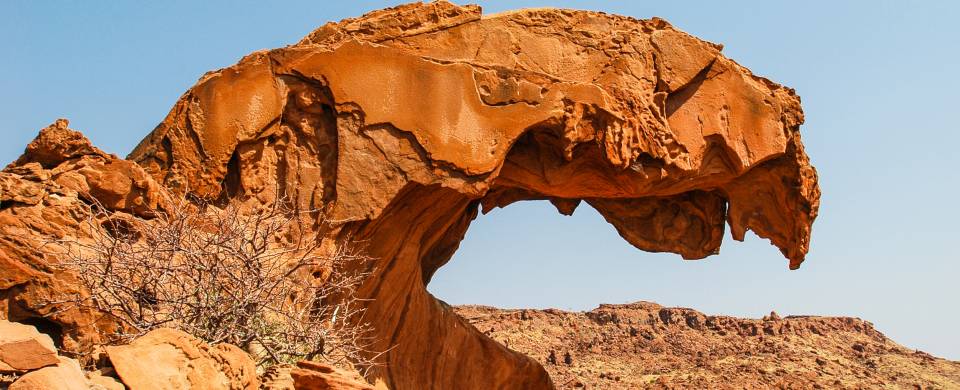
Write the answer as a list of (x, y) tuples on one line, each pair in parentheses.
[(401, 124), (56, 144), (44, 196), (310, 375), (277, 377), (98, 381), (67, 158), (23, 348), (66, 375), (169, 359), (644, 345), (319, 376)]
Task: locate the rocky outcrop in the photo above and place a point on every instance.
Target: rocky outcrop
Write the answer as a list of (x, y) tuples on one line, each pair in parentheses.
[(163, 359), (647, 346), (401, 125), (44, 197)]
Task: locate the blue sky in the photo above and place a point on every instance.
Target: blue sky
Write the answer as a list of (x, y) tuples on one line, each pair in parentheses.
[(879, 89)]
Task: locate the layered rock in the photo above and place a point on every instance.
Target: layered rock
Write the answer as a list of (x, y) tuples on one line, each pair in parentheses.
[(65, 375), (402, 124)]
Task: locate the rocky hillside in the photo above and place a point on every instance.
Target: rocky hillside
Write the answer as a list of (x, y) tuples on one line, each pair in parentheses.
[(645, 345)]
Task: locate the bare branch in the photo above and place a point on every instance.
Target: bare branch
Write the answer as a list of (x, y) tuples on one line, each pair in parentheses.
[(248, 278)]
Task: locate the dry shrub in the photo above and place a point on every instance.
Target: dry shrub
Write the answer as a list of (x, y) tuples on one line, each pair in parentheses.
[(256, 279)]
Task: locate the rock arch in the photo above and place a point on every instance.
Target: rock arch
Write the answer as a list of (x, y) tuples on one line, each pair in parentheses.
[(403, 124)]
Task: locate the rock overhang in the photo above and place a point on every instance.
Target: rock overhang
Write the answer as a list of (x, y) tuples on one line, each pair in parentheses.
[(402, 124), (669, 114)]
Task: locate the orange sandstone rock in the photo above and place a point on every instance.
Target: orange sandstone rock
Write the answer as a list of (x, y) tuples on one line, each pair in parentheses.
[(42, 198), (170, 359), (402, 124), (22, 348), (319, 376), (65, 375)]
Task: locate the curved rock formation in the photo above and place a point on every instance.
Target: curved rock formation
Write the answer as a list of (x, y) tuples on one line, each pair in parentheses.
[(400, 125)]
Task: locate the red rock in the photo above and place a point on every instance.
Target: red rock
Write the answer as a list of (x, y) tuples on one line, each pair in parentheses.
[(277, 377), (319, 376), (167, 359), (26, 355), (66, 375), (402, 124), (23, 348), (98, 381), (43, 196)]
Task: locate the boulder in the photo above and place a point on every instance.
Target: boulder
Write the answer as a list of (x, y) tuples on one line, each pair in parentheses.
[(23, 348), (98, 380), (65, 375), (167, 359), (311, 375)]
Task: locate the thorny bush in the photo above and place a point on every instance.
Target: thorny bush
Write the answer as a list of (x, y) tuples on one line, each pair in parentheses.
[(254, 278)]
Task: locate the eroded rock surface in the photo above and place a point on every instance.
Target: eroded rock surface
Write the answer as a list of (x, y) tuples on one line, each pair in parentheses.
[(29, 361), (402, 124), (44, 197), (161, 359), (318, 376)]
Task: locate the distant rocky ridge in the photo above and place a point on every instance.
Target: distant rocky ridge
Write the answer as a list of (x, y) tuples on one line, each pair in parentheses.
[(645, 345)]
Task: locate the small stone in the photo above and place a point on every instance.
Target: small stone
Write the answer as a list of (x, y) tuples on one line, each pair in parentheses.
[(171, 359), (66, 375), (23, 348), (99, 381), (320, 376)]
